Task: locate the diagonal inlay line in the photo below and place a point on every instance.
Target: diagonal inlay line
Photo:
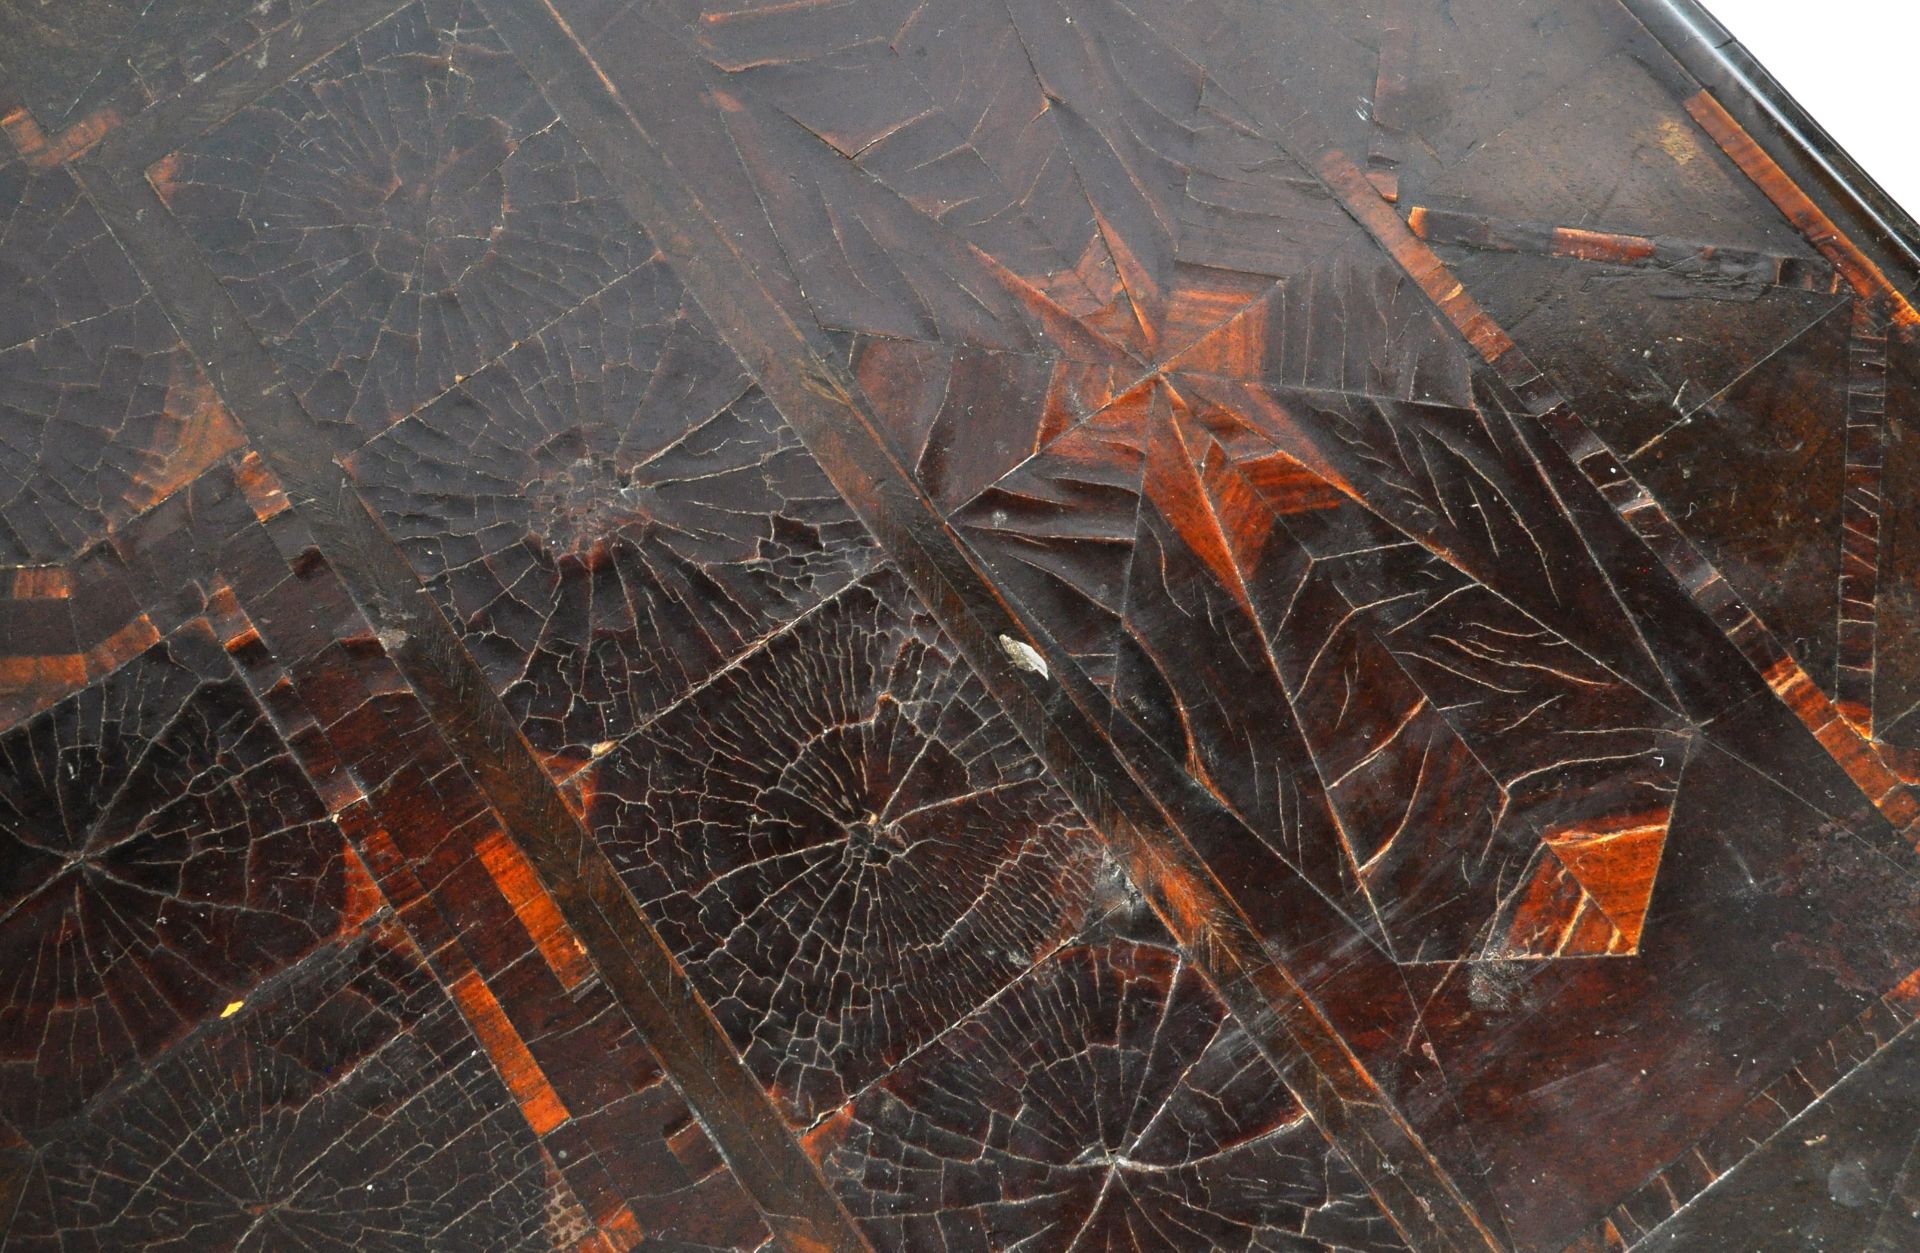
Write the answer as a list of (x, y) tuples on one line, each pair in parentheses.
[(1862, 508), (1681, 259), (792, 361), (1797, 207), (635, 964)]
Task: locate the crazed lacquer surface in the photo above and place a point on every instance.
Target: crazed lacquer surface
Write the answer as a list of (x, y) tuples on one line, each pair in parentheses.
[(1003, 624)]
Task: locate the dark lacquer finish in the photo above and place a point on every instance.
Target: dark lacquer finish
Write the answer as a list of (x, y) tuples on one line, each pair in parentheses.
[(1001, 624)]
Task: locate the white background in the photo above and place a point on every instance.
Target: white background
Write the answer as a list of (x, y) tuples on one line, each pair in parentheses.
[(1853, 65)]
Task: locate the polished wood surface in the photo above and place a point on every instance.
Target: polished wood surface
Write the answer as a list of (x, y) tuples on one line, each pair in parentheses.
[(1009, 624)]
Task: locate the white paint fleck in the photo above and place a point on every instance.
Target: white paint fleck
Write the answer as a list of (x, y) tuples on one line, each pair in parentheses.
[(1024, 655)]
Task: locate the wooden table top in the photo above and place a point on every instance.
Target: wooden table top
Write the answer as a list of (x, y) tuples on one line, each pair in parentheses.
[(950, 625)]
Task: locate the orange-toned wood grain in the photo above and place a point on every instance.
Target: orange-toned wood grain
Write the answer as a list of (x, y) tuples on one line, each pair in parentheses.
[(515, 877), (61, 670), (1616, 865), (1855, 266), (200, 432), (42, 583), (522, 1074), (361, 897), (1363, 200), (263, 489), (1584, 245), (122, 646), (45, 151)]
